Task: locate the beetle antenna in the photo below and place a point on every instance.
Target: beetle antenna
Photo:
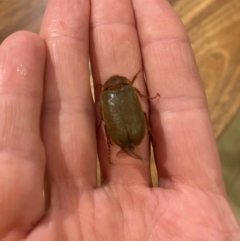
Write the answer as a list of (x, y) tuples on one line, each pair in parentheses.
[(135, 76)]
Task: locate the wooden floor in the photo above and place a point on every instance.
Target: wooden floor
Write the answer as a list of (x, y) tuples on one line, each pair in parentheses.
[(213, 27), (214, 30)]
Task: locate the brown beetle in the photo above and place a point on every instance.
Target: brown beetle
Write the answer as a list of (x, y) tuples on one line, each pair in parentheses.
[(125, 121)]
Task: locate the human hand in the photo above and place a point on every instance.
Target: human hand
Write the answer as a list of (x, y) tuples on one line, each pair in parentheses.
[(190, 202)]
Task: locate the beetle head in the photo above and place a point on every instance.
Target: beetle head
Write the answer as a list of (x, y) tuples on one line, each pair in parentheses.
[(115, 82)]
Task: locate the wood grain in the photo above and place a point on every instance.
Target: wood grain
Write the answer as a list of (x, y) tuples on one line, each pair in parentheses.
[(20, 15), (214, 29)]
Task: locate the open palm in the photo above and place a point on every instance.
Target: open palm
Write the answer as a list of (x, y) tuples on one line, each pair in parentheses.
[(48, 129)]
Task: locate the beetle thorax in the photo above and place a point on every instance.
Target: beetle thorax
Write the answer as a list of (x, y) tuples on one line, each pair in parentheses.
[(115, 82)]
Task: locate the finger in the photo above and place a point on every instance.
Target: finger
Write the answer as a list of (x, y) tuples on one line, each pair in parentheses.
[(186, 151), (22, 158), (68, 113), (115, 51)]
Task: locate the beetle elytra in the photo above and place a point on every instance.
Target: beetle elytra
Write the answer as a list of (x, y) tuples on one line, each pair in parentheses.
[(125, 122)]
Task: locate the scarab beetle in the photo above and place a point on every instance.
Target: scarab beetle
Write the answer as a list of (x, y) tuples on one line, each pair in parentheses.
[(125, 121)]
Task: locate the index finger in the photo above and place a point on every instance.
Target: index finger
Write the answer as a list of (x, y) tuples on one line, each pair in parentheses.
[(186, 151)]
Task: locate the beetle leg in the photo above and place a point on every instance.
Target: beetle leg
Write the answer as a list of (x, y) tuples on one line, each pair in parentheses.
[(97, 86), (101, 119), (109, 144), (150, 130), (142, 95), (135, 76)]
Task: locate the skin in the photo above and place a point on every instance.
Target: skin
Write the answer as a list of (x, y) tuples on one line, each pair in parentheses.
[(48, 123)]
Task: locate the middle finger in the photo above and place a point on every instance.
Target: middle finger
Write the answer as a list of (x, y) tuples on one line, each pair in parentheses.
[(114, 50)]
